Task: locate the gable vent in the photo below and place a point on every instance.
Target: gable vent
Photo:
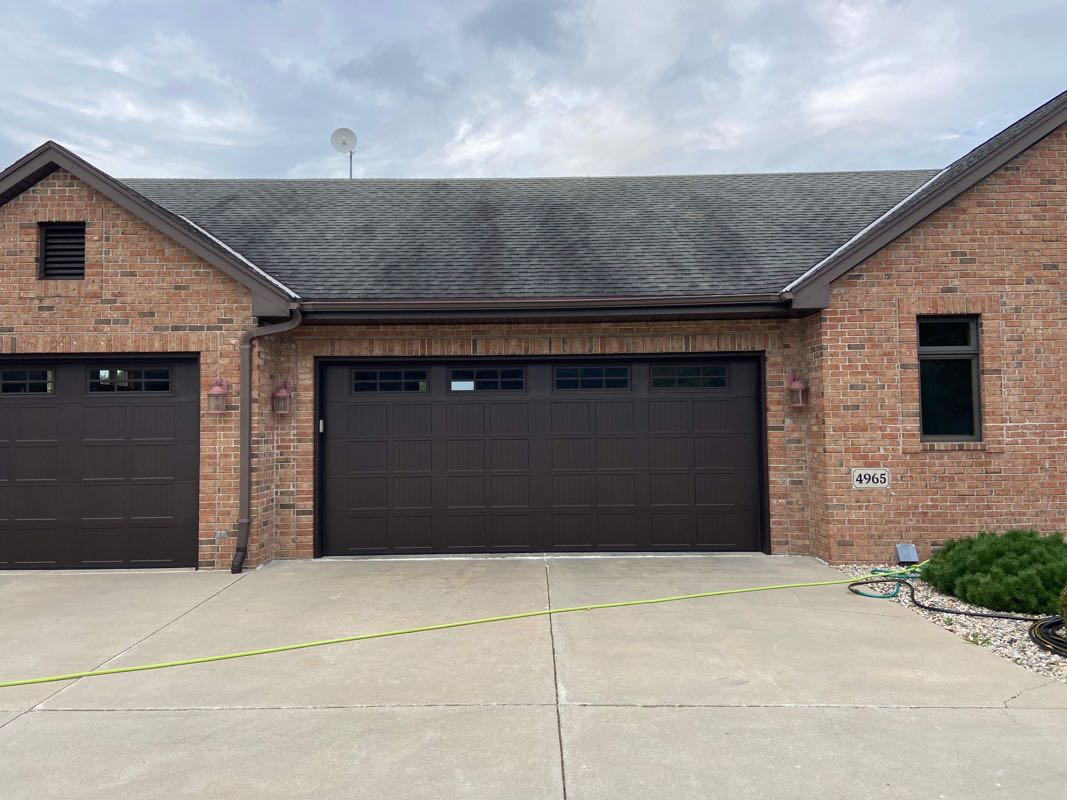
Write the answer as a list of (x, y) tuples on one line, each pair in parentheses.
[(62, 250)]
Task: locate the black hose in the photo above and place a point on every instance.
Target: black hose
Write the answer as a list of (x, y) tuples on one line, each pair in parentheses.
[(911, 590), (1050, 634), (1046, 633)]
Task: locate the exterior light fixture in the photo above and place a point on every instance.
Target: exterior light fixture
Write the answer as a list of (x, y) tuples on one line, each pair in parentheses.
[(798, 392), (216, 396), (282, 398)]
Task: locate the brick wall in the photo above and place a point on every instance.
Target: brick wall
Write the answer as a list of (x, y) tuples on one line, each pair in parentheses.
[(781, 340), (142, 293), (998, 251)]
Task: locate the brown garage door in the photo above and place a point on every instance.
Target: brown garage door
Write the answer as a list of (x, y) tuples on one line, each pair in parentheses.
[(98, 463), (487, 457)]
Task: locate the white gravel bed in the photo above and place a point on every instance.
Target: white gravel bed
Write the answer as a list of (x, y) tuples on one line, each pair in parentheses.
[(1007, 638)]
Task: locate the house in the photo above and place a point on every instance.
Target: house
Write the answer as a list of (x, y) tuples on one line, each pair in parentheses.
[(223, 372)]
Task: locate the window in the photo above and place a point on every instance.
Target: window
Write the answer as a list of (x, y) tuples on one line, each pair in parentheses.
[(27, 381), (156, 379), (61, 250), (948, 378), (390, 380), (701, 376), (507, 379), (591, 378)]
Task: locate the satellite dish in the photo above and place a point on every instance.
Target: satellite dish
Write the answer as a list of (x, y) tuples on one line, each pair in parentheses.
[(343, 140)]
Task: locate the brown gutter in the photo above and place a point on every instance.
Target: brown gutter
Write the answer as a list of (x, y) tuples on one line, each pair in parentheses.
[(507, 303), (244, 512)]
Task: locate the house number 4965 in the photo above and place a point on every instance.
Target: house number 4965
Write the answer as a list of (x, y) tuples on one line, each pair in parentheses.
[(864, 478)]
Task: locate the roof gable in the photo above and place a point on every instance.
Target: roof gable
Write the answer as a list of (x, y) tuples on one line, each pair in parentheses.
[(269, 296), (811, 290)]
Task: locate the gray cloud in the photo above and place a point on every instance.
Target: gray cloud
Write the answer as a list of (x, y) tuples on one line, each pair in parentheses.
[(523, 87)]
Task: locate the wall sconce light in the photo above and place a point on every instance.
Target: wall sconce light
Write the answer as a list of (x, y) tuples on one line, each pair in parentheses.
[(281, 399), (216, 396), (798, 392)]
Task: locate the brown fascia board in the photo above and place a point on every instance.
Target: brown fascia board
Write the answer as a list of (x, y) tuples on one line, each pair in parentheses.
[(269, 297), (553, 303), (812, 290)]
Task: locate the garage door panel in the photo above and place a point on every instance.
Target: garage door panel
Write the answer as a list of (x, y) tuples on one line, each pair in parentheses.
[(723, 452), (726, 529), (93, 461), (35, 501), (508, 532), (465, 491), (670, 452), (570, 417), (508, 419), (670, 489), (369, 420), (724, 488), (412, 492), (465, 532), (40, 424), (366, 456), (152, 460), (412, 420), (614, 417), (509, 491), (509, 454), (465, 419), (465, 454), (103, 461), (36, 461), (104, 423), (572, 490), (545, 466), (572, 454), (616, 453), (672, 530), (615, 490), (413, 455), (409, 533), (733, 415), (669, 416), (622, 531)]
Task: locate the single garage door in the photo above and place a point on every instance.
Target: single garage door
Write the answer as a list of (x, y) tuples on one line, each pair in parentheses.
[(546, 456), (98, 463)]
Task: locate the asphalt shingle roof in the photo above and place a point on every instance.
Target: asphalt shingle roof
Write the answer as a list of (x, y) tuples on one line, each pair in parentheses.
[(669, 236)]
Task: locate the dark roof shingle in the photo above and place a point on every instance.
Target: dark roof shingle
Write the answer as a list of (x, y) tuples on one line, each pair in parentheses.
[(670, 236)]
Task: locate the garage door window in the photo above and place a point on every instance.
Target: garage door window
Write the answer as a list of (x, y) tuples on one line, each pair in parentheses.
[(107, 379), (507, 379), (566, 378), (27, 381), (390, 380), (705, 376)]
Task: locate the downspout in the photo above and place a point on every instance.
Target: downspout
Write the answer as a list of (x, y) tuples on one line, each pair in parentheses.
[(244, 513)]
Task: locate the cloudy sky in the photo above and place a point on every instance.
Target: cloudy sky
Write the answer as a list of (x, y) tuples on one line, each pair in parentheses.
[(253, 88)]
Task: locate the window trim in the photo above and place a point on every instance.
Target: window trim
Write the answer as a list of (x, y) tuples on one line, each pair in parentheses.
[(426, 379), (49, 381), (972, 353), (554, 377), (698, 364), (90, 392), (476, 391), (52, 224)]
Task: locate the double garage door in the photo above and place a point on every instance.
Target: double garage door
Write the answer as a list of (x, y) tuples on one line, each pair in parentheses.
[(474, 456), (98, 463)]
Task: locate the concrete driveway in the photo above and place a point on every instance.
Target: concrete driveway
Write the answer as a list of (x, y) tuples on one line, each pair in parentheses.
[(797, 693)]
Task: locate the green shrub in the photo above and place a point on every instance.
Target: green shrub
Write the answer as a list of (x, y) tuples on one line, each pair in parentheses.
[(1018, 571), (1063, 603)]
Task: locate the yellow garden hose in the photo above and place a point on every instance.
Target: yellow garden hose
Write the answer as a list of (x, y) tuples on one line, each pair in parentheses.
[(70, 676)]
